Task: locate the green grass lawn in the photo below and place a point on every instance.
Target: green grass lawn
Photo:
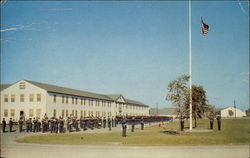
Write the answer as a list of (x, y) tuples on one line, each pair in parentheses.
[(234, 132)]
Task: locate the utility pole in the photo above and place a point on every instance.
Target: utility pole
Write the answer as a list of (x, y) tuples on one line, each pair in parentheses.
[(234, 109)]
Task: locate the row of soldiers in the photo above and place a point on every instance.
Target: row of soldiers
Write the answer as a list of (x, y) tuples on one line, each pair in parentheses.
[(56, 125)]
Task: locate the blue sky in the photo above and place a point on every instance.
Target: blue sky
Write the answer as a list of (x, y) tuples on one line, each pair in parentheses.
[(132, 48)]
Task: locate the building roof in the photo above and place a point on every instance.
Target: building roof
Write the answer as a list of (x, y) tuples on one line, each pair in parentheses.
[(114, 96), (129, 101), (134, 102), (4, 86), (70, 91), (164, 111), (63, 90)]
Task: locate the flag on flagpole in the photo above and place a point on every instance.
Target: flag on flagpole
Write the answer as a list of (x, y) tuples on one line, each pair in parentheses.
[(205, 28)]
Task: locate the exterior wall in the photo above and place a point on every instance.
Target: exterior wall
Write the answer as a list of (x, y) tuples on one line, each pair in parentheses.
[(92, 107), (99, 108), (225, 112), (24, 106)]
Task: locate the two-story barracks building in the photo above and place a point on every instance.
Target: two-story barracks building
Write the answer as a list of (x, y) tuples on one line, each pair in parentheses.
[(34, 99)]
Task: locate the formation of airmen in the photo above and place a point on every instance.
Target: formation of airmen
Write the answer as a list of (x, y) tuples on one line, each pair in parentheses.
[(74, 124)]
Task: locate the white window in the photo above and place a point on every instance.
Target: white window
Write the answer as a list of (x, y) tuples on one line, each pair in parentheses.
[(12, 112), (6, 98), (38, 97), (38, 113), (22, 98), (12, 98), (31, 112), (31, 97), (5, 112)]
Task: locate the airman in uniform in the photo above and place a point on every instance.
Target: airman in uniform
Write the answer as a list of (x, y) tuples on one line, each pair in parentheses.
[(76, 124), (113, 122), (35, 124), (211, 119), (116, 121), (142, 123), (29, 125), (92, 123), (99, 122), (85, 124), (133, 124), (104, 122), (68, 122), (20, 124), (219, 122), (56, 129), (10, 124), (124, 127), (81, 122), (3, 125), (52, 125), (182, 123), (43, 125), (39, 125), (96, 122), (61, 124), (109, 123)]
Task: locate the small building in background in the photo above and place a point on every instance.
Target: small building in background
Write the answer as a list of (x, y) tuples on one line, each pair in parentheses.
[(230, 112), (171, 112)]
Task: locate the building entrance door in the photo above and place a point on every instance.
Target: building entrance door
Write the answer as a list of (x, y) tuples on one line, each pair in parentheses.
[(21, 113)]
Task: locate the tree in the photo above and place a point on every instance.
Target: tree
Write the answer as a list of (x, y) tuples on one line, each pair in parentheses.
[(210, 111), (199, 103), (177, 92)]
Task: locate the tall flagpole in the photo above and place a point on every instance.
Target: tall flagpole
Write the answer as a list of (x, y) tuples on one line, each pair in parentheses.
[(190, 68)]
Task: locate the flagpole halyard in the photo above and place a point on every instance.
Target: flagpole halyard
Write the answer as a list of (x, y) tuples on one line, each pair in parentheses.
[(190, 68)]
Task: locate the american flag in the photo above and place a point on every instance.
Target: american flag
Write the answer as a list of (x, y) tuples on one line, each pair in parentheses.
[(205, 28)]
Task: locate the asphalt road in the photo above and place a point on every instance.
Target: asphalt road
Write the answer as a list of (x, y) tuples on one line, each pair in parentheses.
[(11, 149)]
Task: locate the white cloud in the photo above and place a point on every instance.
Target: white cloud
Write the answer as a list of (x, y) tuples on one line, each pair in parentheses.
[(13, 28), (9, 29), (33, 26)]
